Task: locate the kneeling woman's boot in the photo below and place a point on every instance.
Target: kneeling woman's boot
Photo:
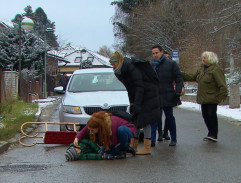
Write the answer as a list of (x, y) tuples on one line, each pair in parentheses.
[(121, 155), (146, 149), (134, 143)]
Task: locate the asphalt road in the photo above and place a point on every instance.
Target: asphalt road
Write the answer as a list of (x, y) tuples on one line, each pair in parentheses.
[(192, 160)]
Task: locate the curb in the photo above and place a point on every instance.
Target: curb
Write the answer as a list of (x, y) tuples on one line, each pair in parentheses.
[(4, 146)]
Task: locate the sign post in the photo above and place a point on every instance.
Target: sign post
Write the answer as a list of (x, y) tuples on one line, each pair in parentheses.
[(176, 56)]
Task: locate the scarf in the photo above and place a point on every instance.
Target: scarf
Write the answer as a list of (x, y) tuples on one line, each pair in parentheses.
[(155, 63)]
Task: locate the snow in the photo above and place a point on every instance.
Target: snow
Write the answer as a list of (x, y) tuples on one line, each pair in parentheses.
[(42, 103), (223, 110)]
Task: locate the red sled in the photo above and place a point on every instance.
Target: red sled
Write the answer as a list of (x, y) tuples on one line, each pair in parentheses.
[(49, 137)]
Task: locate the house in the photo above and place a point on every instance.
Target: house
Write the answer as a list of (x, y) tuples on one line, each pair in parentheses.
[(76, 56), (5, 24)]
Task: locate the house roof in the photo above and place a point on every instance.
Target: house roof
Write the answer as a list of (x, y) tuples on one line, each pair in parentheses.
[(74, 55), (4, 23)]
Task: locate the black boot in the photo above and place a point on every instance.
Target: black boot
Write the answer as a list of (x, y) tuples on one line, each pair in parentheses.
[(160, 135), (121, 155), (131, 150), (165, 135)]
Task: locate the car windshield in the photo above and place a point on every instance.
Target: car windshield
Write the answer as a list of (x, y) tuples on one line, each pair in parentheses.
[(95, 82)]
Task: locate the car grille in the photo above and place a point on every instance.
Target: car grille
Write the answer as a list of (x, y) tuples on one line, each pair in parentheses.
[(91, 110)]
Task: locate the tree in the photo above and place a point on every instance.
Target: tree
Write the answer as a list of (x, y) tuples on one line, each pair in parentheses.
[(32, 49), (177, 26), (105, 51), (41, 23)]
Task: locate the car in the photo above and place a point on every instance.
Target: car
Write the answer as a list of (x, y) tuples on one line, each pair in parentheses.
[(88, 91)]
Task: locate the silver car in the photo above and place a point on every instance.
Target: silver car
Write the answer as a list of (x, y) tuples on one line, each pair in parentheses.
[(89, 91)]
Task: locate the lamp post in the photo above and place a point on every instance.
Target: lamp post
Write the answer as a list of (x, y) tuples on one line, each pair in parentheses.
[(45, 62), (27, 24), (83, 51)]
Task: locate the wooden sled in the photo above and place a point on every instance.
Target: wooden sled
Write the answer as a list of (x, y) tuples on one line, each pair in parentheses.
[(49, 137)]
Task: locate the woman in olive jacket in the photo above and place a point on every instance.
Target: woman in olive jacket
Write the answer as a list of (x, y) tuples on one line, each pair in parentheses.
[(141, 83), (212, 89)]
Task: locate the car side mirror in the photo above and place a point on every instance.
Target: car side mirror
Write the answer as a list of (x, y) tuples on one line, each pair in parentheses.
[(59, 89)]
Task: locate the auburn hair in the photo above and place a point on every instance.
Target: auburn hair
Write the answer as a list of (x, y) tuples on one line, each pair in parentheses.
[(101, 121)]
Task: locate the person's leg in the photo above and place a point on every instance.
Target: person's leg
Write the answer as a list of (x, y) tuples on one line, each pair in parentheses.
[(124, 136), (153, 133), (204, 108), (172, 124), (147, 141), (166, 128), (213, 121), (160, 134)]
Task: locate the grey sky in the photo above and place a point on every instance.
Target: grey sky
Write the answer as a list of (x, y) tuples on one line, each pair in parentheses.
[(84, 23)]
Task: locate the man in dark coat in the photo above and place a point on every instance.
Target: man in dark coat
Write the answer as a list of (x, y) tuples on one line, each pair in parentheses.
[(168, 73), (64, 81), (141, 83)]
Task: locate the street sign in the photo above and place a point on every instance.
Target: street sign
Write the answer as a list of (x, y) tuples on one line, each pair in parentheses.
[(176, 56)]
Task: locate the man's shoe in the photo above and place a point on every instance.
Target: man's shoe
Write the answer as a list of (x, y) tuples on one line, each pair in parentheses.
[(166, 137), (173, 143), (206, 139), (160, 138), (153, 144), (212, 138)]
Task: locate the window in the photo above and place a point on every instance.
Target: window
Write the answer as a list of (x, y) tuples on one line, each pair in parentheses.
[(90, 59), (78, 60)]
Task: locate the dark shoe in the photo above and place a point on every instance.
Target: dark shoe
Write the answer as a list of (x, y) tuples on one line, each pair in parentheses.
[(160, 138), (153, 144), (131, 150), (166, 137), (212, 138), (121, 155), (173, 143)]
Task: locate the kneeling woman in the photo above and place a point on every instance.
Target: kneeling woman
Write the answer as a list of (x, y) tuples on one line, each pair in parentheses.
[(109, 130)]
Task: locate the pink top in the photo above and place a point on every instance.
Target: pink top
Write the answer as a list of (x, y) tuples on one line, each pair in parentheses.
[(116, 123)]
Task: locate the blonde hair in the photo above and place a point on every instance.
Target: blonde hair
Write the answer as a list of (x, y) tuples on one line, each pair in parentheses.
[(119, 56), (212, 57)]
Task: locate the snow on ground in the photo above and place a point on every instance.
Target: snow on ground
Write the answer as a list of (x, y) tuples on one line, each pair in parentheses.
[(42, 103), (223, 110)]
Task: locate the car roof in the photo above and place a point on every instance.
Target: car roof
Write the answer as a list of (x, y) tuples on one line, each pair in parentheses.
[(93, 70)]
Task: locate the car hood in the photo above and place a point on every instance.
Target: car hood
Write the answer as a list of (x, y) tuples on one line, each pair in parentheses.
[(96, 98)]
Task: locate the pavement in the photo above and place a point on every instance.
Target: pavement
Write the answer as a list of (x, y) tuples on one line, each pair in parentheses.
[(43, 114)]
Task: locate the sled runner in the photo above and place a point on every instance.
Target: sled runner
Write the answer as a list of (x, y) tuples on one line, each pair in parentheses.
[(47, 136)]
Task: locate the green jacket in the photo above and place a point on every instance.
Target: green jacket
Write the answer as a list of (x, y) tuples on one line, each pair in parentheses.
[(89, 150), (212, 87)]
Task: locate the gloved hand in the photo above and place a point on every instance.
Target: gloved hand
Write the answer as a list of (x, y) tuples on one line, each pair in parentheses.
[(178, 98), (107, 156)]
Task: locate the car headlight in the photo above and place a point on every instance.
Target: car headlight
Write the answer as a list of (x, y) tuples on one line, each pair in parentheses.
[(72, 109)]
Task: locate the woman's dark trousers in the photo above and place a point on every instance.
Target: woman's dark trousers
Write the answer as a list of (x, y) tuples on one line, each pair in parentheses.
[(209, 113)]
